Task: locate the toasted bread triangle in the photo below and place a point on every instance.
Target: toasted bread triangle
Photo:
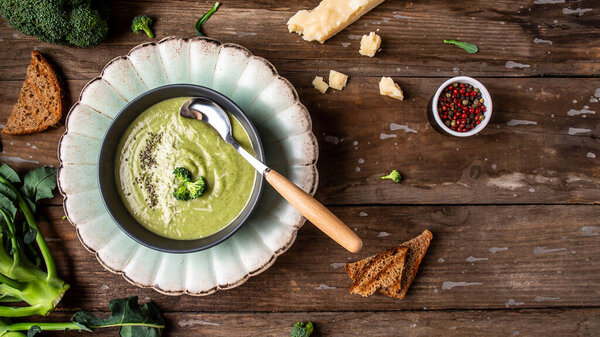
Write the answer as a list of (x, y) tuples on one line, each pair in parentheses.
[(417, 248), (379, 271), (41, 101)]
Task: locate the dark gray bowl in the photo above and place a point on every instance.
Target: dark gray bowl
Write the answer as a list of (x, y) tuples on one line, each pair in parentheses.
[(107, 169)]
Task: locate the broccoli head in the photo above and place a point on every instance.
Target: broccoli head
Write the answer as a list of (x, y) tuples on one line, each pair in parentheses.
[(302, 329), (189, 189), (394, 175), (196, 188), (142, 23), (182, 174), (181, 193), (80, 23)]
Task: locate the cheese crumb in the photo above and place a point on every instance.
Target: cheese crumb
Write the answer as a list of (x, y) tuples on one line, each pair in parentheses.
[(319, 84), (337, 80), (369, 44), (387, 87)]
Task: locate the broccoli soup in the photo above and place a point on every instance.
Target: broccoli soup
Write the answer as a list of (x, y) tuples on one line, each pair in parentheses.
[(178, 178)]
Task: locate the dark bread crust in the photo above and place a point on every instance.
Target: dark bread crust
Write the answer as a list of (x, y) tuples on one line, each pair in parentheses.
[(41, 101), (417, 248)]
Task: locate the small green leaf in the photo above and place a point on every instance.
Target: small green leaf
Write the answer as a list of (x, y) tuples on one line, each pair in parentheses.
[(33, 331), (468, 47), (205, 18), (29, 237), (9, 174), (134, 320), (39, 183)]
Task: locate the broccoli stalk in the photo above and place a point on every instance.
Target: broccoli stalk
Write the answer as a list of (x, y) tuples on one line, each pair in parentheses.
[(21, 278), (142, 22), (205, 18), (394, 175)]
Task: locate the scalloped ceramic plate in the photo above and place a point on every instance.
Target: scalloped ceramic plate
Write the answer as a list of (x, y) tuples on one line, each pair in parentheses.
[(272, 104)]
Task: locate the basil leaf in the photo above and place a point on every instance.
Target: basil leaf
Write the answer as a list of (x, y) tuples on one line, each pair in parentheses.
[(9, 174), (205, 18), (39, 183), (468, 47), (134, 320)]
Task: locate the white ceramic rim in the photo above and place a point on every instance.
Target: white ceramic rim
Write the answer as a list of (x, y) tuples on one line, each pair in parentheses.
[(487, 101), (284, 245)]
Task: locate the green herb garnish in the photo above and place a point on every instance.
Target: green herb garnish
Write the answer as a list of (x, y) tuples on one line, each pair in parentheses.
[(204, 18), (189, 189), (468, 47)]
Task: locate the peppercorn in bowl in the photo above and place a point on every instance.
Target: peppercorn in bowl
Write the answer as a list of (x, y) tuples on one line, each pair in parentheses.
[(461, 106)]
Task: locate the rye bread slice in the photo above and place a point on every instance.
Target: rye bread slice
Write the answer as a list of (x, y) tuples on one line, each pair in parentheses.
[(41, 101), (417, 248), (379, 271)]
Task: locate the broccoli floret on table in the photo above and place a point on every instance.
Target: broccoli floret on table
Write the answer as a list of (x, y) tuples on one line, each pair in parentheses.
[(301, 329), (394, 175), (78, 22), (142, 23)]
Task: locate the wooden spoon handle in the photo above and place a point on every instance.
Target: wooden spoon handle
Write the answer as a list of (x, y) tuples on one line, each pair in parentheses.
[(315, 212)]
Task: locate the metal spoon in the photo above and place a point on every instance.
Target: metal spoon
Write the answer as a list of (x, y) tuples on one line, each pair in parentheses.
[(208, 111)]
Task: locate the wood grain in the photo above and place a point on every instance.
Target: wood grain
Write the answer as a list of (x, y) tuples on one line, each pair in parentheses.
[(497, 323), (412, 33), (539, 162), (480, 257)]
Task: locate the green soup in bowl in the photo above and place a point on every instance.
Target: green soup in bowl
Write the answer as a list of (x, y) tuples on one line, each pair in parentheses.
[(160, 140), (146, 141)]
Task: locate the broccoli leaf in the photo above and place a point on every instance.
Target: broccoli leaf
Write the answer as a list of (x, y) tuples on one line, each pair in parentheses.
[(8, 192), (9, 174), (39, 183), (29, 237), (468, 47), (134, 320), (7, 206)]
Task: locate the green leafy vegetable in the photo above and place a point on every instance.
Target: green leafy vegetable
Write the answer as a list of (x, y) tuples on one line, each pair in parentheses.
[(39, 183), (204, 18), (74, 22), (394, 176), (23, 277), (468, 47), (134, 321), (301, 329), (142, 23)]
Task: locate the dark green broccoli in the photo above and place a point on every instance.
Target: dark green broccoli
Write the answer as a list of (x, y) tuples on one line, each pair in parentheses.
[(182, 174), (189, 189), (68, 22), (196, 188), (302, 329), (142, 23), (394, 175), (181, 193)]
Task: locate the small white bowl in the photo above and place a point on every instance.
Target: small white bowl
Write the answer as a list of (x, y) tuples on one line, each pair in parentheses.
[(487, 102)]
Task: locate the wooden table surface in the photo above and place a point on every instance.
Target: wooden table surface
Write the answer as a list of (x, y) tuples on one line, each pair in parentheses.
[(514, 211)]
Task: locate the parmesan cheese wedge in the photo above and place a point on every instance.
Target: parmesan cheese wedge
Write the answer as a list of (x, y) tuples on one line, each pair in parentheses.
[(387, 87), (329, 18)]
